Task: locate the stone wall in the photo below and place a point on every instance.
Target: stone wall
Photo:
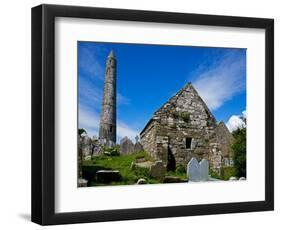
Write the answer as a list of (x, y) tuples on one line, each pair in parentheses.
[(225, 139), (148, 140), (185, 127)]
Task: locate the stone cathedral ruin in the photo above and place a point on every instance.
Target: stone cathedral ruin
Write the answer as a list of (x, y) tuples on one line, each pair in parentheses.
[(181, 130), (184, 128)]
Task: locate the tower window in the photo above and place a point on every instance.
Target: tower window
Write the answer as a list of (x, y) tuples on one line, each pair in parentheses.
[(111, 128), (188, 141)]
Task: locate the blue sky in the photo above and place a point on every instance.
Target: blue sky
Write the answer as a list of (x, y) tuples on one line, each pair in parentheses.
[(148, 75)]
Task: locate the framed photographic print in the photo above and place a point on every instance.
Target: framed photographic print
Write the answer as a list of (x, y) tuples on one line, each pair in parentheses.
[(142, 114)]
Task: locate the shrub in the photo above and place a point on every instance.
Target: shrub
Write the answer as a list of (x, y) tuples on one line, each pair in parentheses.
[(214, 174), (142, 172), (143, 154), (184, 116), (228, 172), (239, 151), (89, 171), (180, 169)]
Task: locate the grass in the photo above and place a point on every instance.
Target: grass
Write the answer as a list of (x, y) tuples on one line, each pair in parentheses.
[(179, 172), (121, 163), (214, 174), (226, 173)]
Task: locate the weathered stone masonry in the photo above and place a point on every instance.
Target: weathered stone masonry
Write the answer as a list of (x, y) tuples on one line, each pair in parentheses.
[(184, 128), (107, 131)]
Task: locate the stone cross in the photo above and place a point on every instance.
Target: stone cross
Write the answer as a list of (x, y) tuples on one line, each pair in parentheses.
[(204, 170), (193, 170)]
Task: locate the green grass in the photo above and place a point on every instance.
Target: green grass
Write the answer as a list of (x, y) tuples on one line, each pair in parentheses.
[(214, 174), (121, 163), (228, 172), (179, 172)]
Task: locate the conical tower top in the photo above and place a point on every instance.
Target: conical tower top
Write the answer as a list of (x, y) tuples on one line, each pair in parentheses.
[(111, 54)]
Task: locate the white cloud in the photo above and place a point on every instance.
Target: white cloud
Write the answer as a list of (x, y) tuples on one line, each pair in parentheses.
[(221, 80), (122, 100), (89, 120), (236, 122), (89, 93), (89, 63), (244, 114), (123, 130)]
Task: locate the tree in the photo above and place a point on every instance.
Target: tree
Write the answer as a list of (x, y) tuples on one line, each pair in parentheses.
[(81, 131), (80, 155), (239, 151)]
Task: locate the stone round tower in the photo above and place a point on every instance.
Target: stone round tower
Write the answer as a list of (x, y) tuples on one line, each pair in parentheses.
[(107, 131)]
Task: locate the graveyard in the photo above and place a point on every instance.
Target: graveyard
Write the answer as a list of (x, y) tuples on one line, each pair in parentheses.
[(182, 142), (133, 168), (129, 165)]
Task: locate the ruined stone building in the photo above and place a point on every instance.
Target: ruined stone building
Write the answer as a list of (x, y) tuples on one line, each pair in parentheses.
[(107, 130), (184, 128)]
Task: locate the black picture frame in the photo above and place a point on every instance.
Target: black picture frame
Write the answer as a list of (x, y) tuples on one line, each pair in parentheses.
[(43, 114)]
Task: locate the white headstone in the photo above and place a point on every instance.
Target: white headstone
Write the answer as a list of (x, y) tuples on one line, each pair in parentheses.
[(204, 170), (193, 170)]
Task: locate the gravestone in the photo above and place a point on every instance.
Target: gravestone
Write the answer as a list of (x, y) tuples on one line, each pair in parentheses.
[(157, 170), (138, 147), (204, 170), (107, 176), (86, 146), (126, 146), (193, 170)]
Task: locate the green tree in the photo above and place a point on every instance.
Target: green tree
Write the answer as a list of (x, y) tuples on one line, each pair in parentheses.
[(80, 155), (81, 131), (239, 151)]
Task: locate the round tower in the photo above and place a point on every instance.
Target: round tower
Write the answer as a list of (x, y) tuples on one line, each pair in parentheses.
[(107, 129)]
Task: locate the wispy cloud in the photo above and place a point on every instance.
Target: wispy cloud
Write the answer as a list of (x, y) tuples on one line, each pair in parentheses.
[(89, 120), (236, 122), (89, 92), (123, 130), (89, 62), (221, 79), (122, 100)]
